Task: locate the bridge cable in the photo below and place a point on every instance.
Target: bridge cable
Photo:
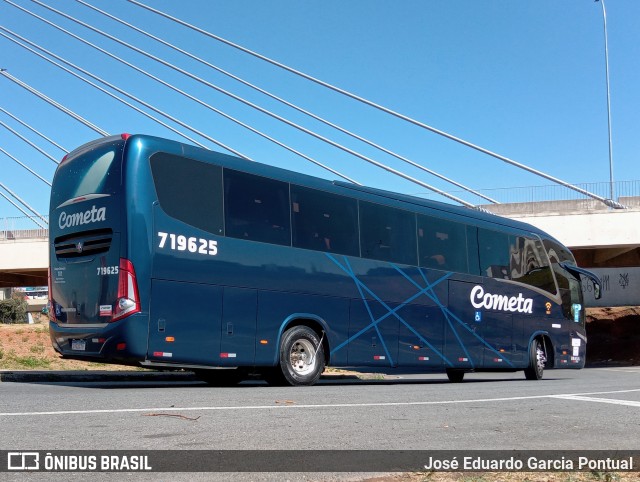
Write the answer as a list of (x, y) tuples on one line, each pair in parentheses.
[(123, 92), (17, 206), (176, 89), (608, 202), (287, 103), (53, 103), (41, 151), (25, 166), (15, 196), (33, 129), (91, 83), (240, 99), (139, 100)]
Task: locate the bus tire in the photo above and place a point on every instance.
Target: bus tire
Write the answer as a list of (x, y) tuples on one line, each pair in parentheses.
[(301, 356), (537, 359), (455, 376)]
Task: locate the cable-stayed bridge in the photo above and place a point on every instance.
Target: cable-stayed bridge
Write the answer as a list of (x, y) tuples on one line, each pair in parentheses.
[(598, 224), (606, 240)]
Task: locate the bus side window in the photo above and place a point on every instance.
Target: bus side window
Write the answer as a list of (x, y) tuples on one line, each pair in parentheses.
[(387, 233), (528, 264), (494, 253), (324, 222), (189, 190), (442, 244), (256, 208)]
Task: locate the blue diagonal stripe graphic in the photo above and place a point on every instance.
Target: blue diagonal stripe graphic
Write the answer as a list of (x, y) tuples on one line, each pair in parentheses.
[(390, 312)]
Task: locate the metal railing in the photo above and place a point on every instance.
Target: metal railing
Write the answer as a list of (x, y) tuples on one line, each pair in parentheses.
[(548, 193), (555, 192), (22, 228)]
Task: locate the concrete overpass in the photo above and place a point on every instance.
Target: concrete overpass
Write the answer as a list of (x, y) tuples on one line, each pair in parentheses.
[(602, 239), (598, 236), (24, 257)]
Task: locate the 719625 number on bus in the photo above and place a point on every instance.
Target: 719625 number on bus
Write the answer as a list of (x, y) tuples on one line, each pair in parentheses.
[(178, 242)]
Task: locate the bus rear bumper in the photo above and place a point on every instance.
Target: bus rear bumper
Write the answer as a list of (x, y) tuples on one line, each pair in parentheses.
[(124, 341)]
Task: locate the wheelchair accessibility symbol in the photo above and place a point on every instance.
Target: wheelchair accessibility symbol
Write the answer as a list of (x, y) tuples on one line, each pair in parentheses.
[(478, 317)]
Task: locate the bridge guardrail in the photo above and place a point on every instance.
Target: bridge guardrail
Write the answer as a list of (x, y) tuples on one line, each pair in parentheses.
[(24, 227), (555, 198)]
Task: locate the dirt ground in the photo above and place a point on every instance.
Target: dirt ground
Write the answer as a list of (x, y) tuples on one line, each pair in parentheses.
[(28, 347), (510, 477), (613, 336)]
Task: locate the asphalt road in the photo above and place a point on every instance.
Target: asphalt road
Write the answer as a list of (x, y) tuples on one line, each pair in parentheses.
[(597, 408)]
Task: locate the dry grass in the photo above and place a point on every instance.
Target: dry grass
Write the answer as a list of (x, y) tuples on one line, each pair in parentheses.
[(28, 347)]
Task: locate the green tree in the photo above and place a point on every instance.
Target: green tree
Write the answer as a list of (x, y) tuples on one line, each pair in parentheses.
[(14, 309)]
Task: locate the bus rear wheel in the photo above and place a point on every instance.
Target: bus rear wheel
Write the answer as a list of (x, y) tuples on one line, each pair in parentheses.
[(537, 359), (301, 357)]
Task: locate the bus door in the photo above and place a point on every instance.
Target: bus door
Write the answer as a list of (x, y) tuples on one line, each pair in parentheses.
[(497, 332), (184, 323)]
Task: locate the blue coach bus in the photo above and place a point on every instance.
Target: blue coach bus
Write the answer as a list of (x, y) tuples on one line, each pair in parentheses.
[(170, 256)]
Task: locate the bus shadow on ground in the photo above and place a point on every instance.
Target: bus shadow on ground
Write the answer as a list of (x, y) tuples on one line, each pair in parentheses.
[(187, 380)]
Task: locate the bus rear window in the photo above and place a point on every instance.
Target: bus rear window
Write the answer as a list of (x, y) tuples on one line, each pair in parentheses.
[(95, 171)]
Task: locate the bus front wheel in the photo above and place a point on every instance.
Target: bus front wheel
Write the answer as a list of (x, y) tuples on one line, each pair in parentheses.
[(301, 356), (537, 359)]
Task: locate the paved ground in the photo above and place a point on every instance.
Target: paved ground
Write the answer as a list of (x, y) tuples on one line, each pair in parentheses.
[(587, 409)]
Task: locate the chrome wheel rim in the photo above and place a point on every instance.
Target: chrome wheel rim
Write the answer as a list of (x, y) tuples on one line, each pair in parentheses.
[(302, 357), (540, 359)]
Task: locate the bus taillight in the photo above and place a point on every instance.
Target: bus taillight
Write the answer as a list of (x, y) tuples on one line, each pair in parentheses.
[(128, 301)]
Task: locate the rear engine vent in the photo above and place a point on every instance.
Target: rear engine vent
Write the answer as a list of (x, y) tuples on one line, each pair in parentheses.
[(79, 245)]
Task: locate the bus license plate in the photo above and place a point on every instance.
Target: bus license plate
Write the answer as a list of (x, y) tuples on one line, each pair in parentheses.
[(78, 345)]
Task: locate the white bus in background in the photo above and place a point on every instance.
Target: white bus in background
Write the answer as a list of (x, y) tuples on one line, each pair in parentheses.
[(35, 293)]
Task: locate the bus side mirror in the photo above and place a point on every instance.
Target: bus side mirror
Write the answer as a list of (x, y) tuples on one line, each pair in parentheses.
[(597, 292)]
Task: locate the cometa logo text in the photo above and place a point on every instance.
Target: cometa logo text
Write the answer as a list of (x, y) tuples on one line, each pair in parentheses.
[(480, 299), (92, 215)]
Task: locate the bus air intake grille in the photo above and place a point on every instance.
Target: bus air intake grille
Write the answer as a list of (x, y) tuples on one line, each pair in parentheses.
[(84, 244)]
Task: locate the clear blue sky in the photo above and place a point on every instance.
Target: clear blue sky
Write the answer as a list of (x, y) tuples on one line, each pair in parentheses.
[(525, 79)]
